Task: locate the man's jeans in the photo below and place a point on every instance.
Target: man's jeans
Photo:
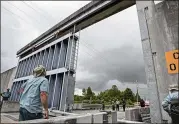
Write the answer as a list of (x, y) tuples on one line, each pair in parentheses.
[(25, 115)]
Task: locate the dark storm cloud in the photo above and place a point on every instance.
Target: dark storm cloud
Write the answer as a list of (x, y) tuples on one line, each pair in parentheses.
[(124, 64)]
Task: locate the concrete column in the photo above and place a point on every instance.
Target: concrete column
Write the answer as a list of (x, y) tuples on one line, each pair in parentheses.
[(148, 52), (159, 34)]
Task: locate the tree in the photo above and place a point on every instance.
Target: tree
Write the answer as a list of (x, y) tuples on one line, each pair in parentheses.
[(114, 87), (128, 94), (89, 93), (84, 92), (107, 96)]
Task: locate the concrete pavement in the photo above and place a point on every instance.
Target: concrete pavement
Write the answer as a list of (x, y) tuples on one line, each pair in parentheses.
[(13, 117)]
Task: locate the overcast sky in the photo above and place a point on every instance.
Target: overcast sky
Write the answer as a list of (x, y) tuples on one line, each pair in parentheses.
[(110, 50)]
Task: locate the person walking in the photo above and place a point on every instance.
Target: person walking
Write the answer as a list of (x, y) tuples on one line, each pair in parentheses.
[(113, 105), (124, 104), (171, 103), (34, 95), (117, 105), (5, 96)]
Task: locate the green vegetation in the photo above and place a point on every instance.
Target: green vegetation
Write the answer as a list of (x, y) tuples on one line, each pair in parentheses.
[(107, 96)]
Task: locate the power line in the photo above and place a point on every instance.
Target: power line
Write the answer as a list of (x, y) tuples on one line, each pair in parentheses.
[(33, 9), (92, 49), (14, 14), (21, 11), (41, 9), (100, 57)]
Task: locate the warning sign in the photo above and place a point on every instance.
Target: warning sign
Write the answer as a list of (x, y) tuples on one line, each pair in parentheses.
[(172, 58)]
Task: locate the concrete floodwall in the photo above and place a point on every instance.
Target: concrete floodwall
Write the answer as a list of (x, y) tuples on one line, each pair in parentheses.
[(159, 35), (9, 106), (7, 78), (139, 114), (101, 117)]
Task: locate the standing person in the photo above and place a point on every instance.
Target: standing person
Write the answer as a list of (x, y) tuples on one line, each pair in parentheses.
[(124, 104), (5, 96), (117, 105), (34, 96), (142, 103), (103, 105), (171, 103), (113, 105)]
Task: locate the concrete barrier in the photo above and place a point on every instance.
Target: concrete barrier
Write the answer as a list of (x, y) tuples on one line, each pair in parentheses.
[(133, 114), (61, 113), (111, 116), (63, 119), (99, 117), (138, 114), (129, 122), (77, 106), (84, 119), (9, 106)]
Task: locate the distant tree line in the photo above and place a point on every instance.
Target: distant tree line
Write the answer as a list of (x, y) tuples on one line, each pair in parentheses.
[(107, 96)]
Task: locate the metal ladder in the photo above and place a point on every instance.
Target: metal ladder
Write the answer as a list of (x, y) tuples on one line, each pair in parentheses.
[(76, 53)]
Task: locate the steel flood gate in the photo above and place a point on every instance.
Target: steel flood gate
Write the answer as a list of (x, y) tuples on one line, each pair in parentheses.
[(60, 59)]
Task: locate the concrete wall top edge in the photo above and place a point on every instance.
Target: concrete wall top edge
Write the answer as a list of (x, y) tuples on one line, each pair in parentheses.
[(9, 69)]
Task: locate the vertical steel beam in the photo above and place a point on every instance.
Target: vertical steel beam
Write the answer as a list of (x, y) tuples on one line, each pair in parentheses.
[(15, 93), (55, 51), (60, 56), (51, 89), (34, 61), (38, 58), (56, 56), (12, 91), (27, 67), (61, 95), (53, 95), (30, 65), (22, 69), (19, 69), (43, 58), (48, 58), (57, 91)]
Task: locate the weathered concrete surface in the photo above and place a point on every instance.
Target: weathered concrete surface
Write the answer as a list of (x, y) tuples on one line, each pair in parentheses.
[(132, 114), (139, 114), (13, 117), (159, 34), (5, 119), (166, 40), (9, 106), (7, 78)]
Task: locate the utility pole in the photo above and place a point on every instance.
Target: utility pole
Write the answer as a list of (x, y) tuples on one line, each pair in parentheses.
[(137, 91)]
